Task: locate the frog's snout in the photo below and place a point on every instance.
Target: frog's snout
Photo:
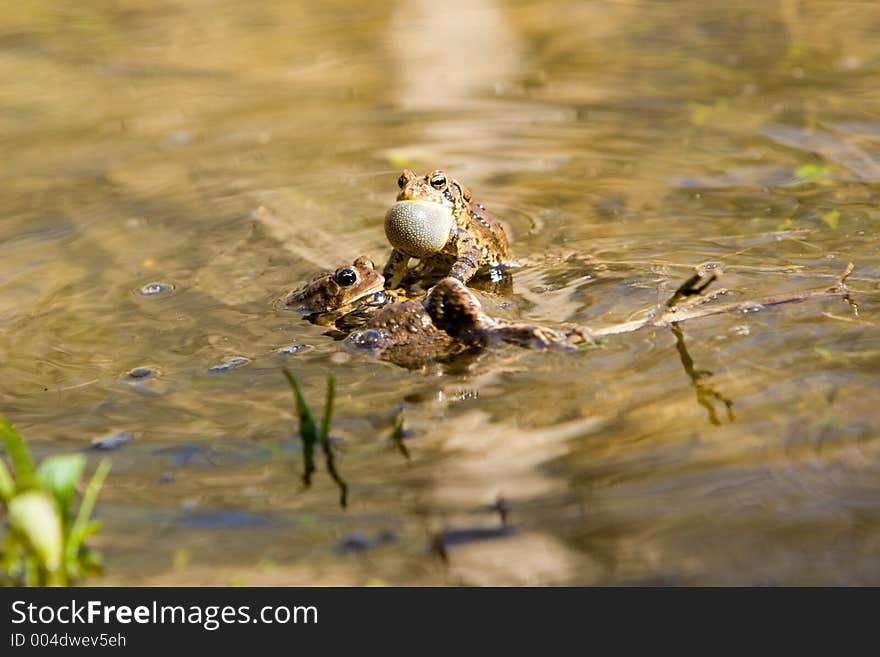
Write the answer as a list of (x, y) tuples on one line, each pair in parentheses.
[(295, 301)]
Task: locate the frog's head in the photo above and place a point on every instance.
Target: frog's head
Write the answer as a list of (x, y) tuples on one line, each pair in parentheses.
[(436, 186), (334, 290), (421, 221)]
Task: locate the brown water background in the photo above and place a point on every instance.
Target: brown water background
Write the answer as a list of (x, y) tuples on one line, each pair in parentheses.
[(232, 150)]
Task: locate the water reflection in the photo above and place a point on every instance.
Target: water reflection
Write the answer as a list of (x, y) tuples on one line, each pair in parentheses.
[(233, 149), (449, 60), (706, 393)]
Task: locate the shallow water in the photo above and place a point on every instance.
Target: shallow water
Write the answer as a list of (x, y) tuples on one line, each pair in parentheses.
[(172, 168)]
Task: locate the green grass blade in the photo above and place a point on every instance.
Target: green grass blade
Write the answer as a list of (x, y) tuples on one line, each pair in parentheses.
[(307, 426), (308, 430), (325, 442), (328, 410), (330, 461), (81, 526), (18, 454)]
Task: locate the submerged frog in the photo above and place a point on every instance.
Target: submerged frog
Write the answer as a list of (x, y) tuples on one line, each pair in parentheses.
[(446, 323), (349, 290), (436, 220), (344, 298)]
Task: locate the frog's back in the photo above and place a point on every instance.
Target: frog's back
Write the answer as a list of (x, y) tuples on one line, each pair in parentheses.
[(490, 236), (403, 334)]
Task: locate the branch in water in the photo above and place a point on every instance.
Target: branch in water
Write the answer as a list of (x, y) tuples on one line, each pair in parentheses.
[(669, 313)]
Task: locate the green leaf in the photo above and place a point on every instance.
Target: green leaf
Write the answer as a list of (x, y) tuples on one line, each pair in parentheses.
[(18, 454), (35, 517), (7, 485), (60, 476)]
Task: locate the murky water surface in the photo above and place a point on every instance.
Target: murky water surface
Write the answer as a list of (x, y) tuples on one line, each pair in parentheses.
[(171, 168)]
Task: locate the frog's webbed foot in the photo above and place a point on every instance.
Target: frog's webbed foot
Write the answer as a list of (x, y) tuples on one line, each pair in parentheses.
[(395, 269), (467, 257)]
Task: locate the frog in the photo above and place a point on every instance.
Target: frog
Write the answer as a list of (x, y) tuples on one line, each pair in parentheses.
[(349, 291), (436, 220), (448, 322), (438, 326)]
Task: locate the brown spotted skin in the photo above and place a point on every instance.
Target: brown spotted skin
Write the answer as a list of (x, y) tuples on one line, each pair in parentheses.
[(477, 240), (404, 334), (454, 309), (406, 325), (447, 323), (334, 290), (345, 297)]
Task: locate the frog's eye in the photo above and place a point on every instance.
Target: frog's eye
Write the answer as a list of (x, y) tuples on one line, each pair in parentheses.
[(438, 181), (401, 181), (346, 277)]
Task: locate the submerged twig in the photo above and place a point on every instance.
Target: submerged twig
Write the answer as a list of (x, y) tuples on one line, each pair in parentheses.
[(669, 314)]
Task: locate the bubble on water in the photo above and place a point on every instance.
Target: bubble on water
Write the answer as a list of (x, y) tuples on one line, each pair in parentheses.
[(741, 329), (751, 308), (228, 364), (155, 289)]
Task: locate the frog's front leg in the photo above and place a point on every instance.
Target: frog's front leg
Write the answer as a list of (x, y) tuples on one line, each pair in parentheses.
[(454, 309), (395, 269), (467, 256)]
